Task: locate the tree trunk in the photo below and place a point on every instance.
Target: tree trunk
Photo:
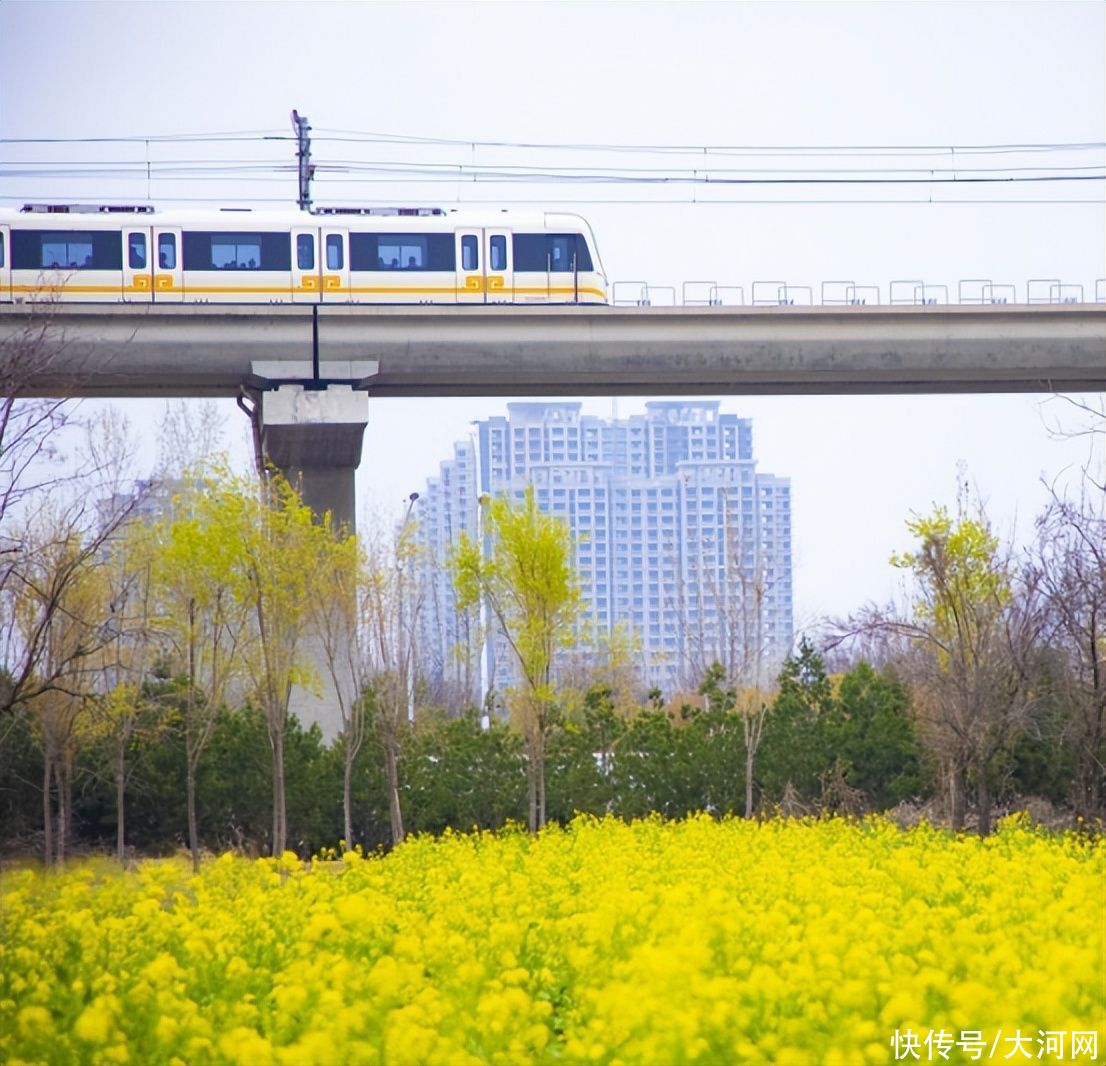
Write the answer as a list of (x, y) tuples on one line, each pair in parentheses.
[(957, 789), (193, 824), (391, 776), (47, 810), (983, 801), (532, 791), (1087, 789), (347, 791), (750, 756), (120, 789), (541, 778), (65, 803), (280, 813), (532, 762)]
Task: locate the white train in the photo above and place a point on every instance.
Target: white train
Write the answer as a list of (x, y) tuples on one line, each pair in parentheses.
[(117, 254)]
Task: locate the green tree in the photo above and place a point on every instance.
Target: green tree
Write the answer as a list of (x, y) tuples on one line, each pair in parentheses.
[(529, 584), (581, 756), (281, 548), (870, 728), (204, 624), (795, 756), (973, 641), (459, 775)]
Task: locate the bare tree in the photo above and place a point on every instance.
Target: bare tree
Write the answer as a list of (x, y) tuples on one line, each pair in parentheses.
[(190, 440), (728, 650), (1085, 420), (1068, 566), (128, 655), (392, 600), (56, 609), (32, 429), (336, 610), (61, 532)]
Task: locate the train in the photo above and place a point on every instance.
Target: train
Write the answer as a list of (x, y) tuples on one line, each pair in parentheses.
[(111, 253)]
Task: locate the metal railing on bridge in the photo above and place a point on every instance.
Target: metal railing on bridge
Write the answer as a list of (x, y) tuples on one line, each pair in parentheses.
[(899, 293)]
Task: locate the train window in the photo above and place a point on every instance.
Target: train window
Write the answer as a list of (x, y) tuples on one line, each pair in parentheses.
[(402, 251), (562, 253), (551, 252), (497, 253), (583, 256), (66, 250), (136, 251), (73, 251), (167, 251), (1, 249), (470, 254), (394, 253), (529, 249), (305, 251), (237, 251), (335, 260)]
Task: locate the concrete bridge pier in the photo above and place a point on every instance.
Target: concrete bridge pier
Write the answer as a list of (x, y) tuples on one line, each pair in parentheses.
[(313, 436), (311, 429)]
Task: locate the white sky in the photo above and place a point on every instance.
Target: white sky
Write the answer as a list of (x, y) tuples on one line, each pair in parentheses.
[(775, 74)]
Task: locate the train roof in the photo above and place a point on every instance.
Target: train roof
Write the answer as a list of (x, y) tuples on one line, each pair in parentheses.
[(109, 215)]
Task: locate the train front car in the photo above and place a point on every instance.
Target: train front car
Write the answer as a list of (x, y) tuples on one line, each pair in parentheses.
[(114, 254), (554, 260), (421, 255)]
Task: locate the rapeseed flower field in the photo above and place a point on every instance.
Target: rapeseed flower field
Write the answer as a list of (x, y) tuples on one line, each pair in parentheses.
[(690, 942)]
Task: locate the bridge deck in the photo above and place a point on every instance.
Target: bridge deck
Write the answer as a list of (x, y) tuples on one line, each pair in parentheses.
[(212, 350)]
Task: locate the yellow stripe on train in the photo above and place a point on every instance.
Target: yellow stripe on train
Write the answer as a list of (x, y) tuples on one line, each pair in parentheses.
[(141, 286)]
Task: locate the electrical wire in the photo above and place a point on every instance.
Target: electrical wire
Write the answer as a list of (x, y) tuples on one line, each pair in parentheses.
[(439, 173), (711, 168), (355, 136)]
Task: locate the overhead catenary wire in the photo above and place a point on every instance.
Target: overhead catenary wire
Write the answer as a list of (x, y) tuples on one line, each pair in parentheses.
[(548, 176), (367, 137), (709, 168)]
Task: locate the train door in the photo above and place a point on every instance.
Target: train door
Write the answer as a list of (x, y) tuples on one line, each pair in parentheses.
[(335, 266), (470, 266), (306, 268), (561, 251), (167, 259), (5, 265), (500, 286), (138, 264)]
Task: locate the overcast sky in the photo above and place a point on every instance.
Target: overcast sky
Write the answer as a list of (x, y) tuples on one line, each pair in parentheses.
[(779, 76)]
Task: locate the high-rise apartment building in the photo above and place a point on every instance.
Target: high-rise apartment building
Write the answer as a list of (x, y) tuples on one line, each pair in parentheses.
[(677, 536)]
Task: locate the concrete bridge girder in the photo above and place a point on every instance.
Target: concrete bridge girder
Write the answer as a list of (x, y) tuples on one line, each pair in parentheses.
[(205, 350)]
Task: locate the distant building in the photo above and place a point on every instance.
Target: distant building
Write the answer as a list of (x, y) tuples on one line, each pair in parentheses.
[(677, 536)]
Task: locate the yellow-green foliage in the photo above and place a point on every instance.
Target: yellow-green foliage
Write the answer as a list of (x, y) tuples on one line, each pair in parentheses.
[(654, 942)]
